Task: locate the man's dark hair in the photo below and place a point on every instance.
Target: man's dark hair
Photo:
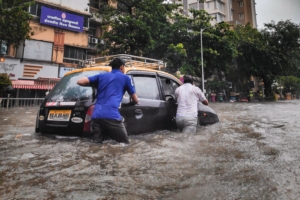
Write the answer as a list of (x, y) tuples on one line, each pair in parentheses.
[(116, 63), (188, 79)]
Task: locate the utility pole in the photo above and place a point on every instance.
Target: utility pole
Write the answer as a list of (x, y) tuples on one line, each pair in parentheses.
[(201, 30)]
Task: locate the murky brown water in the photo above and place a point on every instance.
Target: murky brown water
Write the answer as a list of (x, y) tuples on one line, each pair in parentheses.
[(253, 153)]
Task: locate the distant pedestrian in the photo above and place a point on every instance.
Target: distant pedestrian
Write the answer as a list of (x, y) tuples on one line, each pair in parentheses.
[(187, 97)]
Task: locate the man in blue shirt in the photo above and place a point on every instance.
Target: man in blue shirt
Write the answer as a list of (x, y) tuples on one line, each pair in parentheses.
[(106, 118)]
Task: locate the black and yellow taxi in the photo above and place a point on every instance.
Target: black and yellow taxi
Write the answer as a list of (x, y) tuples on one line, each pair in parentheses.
[(68, 108)]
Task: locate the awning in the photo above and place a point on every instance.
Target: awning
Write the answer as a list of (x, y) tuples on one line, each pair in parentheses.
[(30, 84), (48, 79)]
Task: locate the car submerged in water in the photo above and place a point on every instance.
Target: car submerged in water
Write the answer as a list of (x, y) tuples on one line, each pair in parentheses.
[(68, 108)]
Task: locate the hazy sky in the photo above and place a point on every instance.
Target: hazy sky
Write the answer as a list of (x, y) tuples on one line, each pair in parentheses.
[(277, 10)]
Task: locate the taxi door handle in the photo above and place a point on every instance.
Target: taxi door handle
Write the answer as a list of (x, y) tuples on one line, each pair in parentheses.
[(138, 111)]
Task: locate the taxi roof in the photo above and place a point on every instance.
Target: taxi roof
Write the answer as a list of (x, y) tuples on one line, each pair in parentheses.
[(132, 63), (127, 69)]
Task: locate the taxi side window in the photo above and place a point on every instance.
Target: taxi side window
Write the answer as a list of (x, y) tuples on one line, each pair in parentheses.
[(146, 87), (169, 86)]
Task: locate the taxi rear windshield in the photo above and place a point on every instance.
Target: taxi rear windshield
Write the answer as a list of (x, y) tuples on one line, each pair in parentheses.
[(67, 88)]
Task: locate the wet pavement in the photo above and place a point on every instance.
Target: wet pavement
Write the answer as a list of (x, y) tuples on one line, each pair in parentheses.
[(253, 153)]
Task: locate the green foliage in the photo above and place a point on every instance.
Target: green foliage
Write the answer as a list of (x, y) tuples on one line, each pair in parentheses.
[(14, 21), (150, 28), (272, 52), (4, 82), (220, 50), (218, 45), (216, 85), (136, 25), (153, 29), (175, 56), (290, 84)]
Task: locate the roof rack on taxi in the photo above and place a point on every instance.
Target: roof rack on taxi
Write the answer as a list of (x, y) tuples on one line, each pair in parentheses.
[(130, 61)]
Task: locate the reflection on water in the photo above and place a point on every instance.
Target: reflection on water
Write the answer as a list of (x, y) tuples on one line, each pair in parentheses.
[(253, 153)]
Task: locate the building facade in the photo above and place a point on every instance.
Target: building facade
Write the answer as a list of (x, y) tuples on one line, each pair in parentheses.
[(65, 34), (231, 11)]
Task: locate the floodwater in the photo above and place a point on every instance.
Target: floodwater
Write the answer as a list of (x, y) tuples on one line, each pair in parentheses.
[(252, 153)]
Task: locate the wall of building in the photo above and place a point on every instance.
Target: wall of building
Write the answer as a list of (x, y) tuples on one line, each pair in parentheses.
[(44, 54), (218, 9), (80, 6), (229, 11), (76, 39), (248, 9), (42, 32), (28, 70)]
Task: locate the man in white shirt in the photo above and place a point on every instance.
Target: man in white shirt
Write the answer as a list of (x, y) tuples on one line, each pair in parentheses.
[(187, 97)]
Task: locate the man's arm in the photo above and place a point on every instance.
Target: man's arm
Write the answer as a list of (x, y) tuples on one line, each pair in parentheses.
[(205, 102), (135, 99), (84, 81), (201, 97)]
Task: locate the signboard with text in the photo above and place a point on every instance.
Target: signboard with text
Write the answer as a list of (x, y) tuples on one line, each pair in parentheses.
[(11, 67), (38, 50), (61, 19), (63, 71)]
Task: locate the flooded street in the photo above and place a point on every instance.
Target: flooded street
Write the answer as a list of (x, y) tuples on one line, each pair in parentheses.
[(252, 153)]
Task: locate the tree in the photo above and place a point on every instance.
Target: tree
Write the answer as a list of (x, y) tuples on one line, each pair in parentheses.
[(14, 21), (153, 29), (4, 82), (218, 44), (175, 56), (251, 51), (268, 54), (282, 50), (291, 84), (216, 85), (135, 25)]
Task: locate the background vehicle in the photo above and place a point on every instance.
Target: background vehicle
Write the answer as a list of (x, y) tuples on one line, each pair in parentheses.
[(68, 108)]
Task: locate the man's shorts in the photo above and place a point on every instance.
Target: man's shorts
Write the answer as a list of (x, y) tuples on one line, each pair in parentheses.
[(187, 124), (108, 128)]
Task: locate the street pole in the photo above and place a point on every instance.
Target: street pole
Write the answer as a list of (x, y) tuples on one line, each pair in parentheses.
[(201, 30)]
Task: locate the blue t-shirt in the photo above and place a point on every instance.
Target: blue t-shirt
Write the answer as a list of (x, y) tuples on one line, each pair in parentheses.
[(110, 90)]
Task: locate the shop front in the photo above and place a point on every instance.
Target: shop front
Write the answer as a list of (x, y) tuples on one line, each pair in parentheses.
[(33, 88)]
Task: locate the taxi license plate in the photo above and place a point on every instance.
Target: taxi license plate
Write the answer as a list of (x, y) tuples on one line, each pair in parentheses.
[(59, 115)]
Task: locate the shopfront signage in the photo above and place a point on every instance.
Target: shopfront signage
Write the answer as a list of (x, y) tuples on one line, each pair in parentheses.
[(38, 50), (7, 67), (61, 19), (11, 67), (63, 71)]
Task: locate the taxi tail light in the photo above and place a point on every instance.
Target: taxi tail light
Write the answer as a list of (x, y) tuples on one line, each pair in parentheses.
[(88, 118)]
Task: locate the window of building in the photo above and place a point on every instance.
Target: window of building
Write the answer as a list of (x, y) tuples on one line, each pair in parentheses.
[(241, 4), (221, 6), (94, 3), (207, 4), (90, 55), (35, 9), (217, 17), (4, 48), (193, 6), (73, 54), (86, 21), (216, 4), (241, 15), (221, 18), (93, 28)]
